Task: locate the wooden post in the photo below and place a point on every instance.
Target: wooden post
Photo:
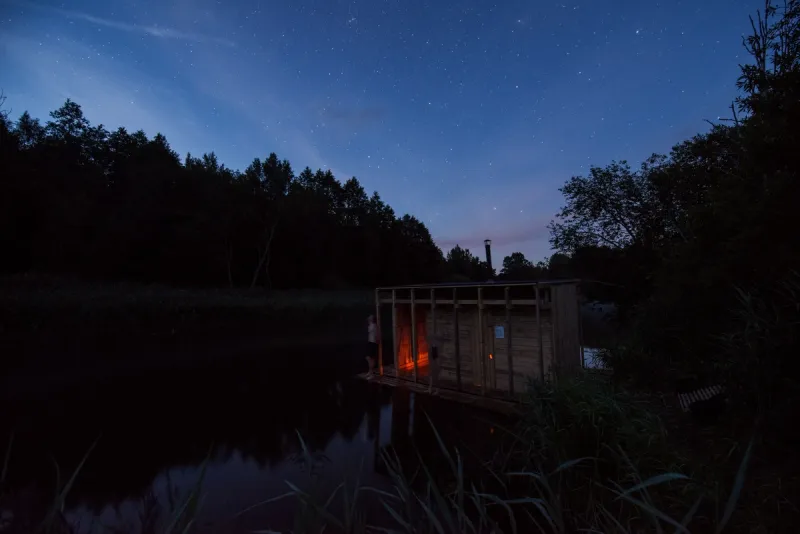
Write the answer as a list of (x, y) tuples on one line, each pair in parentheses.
[(554, 364), (433, 331), (433, 310), (508, 343), (456, 339), (414, 334), (378, 333), (394, 331), (580, 330), (539, 328), (491, 365), (481, 341)]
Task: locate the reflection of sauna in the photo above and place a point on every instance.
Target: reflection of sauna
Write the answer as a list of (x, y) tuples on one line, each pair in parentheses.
[(494, 336)]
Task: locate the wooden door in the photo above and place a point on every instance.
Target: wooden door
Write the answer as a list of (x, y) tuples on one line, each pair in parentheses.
[(483, 359), (477, 368), (491, 356)]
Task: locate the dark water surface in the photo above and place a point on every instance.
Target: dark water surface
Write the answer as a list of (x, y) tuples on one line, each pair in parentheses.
[(154, 431)]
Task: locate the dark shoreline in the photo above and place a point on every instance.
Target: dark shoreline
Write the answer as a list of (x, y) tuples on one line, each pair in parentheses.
[(57, 333), (289, 355)]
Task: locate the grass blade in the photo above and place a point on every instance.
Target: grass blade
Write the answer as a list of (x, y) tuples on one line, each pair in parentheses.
[(397, 517), (441, 502), (58, 505), (654, 512), (264, 503), (380, 492), (7, 457), (442, 446), (652, 481), (190, 504), (737, 488), (569, 464), (306, 499), (690, 514), (431, 516), (540, 505), (497, 500)]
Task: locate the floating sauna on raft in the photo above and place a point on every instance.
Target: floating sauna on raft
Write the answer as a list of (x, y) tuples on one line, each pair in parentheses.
[(494, 337)]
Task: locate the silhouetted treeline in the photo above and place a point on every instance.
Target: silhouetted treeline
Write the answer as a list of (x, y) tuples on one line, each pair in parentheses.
[(80, 200), (77, 199), (700, 246)]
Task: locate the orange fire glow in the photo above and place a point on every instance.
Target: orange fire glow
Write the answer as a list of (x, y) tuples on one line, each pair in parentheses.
[(407, 364), (405, 361)]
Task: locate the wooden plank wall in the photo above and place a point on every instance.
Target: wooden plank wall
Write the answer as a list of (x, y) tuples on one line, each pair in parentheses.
[(566, 325), (445, 327), (525, 344)]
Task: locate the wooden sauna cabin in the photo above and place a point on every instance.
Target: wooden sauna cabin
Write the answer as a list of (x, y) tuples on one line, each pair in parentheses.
[(494, 336)]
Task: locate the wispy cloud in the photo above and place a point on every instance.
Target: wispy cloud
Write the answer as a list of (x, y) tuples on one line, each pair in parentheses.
[(47, 73), (152, 30)]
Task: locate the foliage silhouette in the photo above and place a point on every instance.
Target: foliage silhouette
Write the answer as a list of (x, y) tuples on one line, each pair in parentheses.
[(80, 200), (702, 241)]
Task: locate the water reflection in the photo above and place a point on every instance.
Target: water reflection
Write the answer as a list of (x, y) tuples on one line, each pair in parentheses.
[(154, 433)]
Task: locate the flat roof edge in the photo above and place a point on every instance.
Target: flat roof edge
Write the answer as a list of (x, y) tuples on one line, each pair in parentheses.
[(482, 284)]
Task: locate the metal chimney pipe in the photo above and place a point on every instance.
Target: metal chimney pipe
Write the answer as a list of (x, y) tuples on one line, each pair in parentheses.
[(488, 244)]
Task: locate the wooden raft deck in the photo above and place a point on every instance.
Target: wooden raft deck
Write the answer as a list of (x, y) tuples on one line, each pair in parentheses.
[(443, 391)]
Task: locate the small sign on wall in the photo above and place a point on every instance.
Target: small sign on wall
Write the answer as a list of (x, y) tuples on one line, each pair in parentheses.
[(499, 332)]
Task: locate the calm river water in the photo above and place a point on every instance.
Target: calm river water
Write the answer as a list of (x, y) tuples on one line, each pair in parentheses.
[(154, 432)]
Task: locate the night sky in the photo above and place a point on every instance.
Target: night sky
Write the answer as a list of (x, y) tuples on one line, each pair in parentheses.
[(467, 114)]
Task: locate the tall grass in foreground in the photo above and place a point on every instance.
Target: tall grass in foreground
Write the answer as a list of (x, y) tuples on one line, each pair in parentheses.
[(621, 478), (32, 515), (586, 458)]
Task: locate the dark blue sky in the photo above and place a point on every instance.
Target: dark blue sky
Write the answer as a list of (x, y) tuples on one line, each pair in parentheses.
[(467, 114)]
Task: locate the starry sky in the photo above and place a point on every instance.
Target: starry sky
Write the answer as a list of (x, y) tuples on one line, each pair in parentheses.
[(469, 114)]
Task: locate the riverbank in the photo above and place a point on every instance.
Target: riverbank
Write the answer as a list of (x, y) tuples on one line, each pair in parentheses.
[(54, 330), (253, 429), (585, 457)]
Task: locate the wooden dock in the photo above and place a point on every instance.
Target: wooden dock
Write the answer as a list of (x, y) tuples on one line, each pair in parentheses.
[(444, 391)]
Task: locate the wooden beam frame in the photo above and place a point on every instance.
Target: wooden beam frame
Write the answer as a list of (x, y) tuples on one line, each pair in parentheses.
[(554, 363), (486, 302), (539, 329), (432, 336), (379, 333), (394, 331), (491, 363), (433, 310), (508, 343), (481, 341), (580, 332), (457, 339), (414, 335), (545, 283)]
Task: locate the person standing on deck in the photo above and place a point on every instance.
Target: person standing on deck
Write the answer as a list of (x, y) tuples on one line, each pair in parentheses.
[(433, 362), (372, 345)]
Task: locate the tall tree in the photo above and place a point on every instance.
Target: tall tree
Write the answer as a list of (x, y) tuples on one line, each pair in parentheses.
[(517, 267), (80, 200)]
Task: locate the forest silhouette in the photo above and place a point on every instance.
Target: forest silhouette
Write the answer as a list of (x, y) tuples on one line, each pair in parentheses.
[(697, 249)]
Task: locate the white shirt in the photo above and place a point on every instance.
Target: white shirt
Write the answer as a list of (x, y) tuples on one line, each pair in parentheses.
[(372, 333)]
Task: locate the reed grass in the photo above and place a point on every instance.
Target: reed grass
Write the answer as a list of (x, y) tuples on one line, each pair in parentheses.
[(181, 518), (620, 479), (626, 486)]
